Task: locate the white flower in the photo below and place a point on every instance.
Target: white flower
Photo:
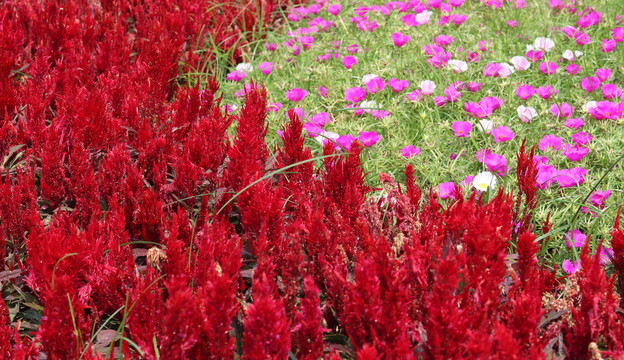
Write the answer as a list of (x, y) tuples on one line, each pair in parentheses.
[(505, 70), (578, 53), (322, 138), (427, 87), (520, 63), (368, 77), (530, 47), (589, 105), (484, 180), (423, 17), (526, 113), (485, 125), (245, 67), (542, 43), (458, 65), (568, 55), (371, 104)]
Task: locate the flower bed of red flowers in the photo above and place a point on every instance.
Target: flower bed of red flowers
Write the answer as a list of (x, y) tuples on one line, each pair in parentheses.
[(133, 217)]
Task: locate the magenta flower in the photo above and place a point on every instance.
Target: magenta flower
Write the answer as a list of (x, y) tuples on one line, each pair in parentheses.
[(582, 138), (599, 197), (398, 85), (576, 236), (323, 91), (548, 67), (603, 74), (573, 69), (467, 181), (474, 86), (302, 114), (462, 128), (545, 92), (525, 91), (446, 190), (565, 178), (574, 153), (271, 46), (349, 61), (313, 129), (610, 91), (410, 151), (606, 254), (477, 110), (400, 39), (355, 94), (496, 163), (321, 118), (451, 93), (607, 45), (345, 141), (546, 175), (236, 75), (296, 94), (564, 110), (375, 85), (439, 100), (334, 9), (502, 133), (512, 23), (266, 67), (618, 34), (590, 84), (535, 55), (574, 123), (550, 141), (369, 138), (415, 95), (569, 31), (443, 40), (569, 268), (582, 38), (275, 107), (605, 110)]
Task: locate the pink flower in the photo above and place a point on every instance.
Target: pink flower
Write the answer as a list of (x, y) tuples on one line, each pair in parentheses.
[(618, 34), (574, 153), (545, 92), (569, 31), (410, 151), (582, 138), (236, 75), (322, 91), (462, 128), (550, 141), (375, 85), (271, 46), (606, 254), (451, 93), (573, 69), (477, 110), (574, 123), (566, 178), (349, 61), (576, 236), (569, 268), (446, 190), (603, 74), (313, 129), (526, 113), (564, 110), (266, 67), (496, 163), (369, 138), (474, 86), (610, 91), (502, 133), (439, 100), (400, 39), (275, 107), (296, 94), (427, 87), (443, 40), (334, 9), (512, 23), (321, 118), (398, 85), (467, 181), (525, 91), (415, 95), (548, 67), (345, 141), (355, 94), (590, 84), (582, 38), (607, 45), (605, 110)]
